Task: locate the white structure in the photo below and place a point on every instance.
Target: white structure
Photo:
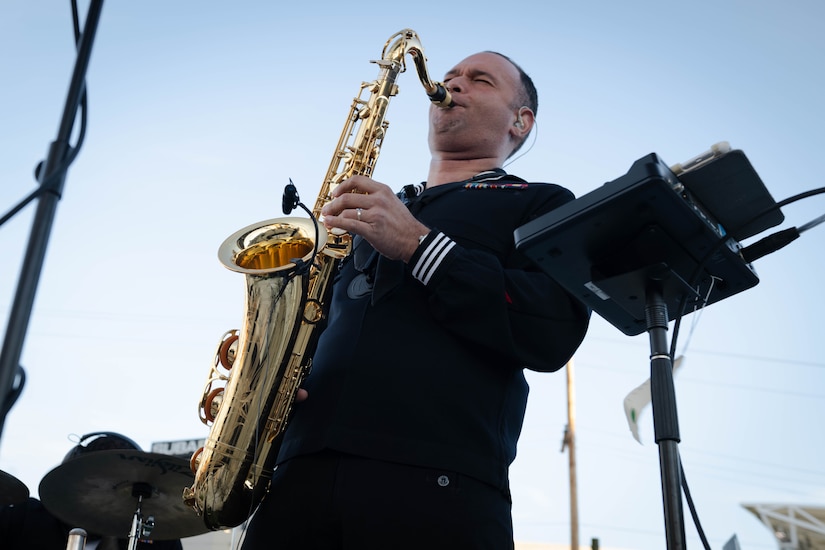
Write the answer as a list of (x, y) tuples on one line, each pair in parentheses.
[(796, 527)]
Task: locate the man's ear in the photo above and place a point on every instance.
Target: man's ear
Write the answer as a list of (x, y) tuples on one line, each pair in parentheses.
[(523, 123)]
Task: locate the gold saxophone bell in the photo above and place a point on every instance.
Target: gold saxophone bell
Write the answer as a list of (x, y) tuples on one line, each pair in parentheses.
[(270, 246), (289, 264), (230, 475)]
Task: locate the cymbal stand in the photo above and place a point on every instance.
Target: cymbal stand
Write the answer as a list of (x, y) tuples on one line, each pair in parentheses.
[(77, 539), (140, 528)]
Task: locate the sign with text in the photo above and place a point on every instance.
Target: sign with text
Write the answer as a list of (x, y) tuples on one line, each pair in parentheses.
[(182, 448)]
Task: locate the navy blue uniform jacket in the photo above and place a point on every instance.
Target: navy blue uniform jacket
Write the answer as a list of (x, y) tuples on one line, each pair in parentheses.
[(423, 363)]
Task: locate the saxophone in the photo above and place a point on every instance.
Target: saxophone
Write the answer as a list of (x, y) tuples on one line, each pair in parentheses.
[(289, 264)]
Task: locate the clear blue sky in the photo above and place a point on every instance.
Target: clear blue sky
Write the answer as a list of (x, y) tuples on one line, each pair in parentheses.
[(200, 111)]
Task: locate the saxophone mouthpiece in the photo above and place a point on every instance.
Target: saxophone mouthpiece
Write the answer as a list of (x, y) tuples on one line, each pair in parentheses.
[(441, 97)]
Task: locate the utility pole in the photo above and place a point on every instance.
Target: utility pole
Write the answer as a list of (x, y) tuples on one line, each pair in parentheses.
[(569, 442)]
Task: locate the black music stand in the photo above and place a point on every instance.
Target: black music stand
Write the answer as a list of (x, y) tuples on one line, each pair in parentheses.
[(52, 176), (639, 248)]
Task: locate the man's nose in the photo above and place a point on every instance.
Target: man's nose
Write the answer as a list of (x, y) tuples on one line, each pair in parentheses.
[(454, 85)]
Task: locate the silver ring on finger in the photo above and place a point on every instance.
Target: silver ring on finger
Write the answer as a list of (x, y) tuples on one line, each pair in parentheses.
[(358, 214)]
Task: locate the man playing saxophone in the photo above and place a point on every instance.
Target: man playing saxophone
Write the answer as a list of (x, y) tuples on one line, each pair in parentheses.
[(408, 422)]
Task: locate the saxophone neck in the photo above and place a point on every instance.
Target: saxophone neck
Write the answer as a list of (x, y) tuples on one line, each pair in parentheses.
[(407, 42)]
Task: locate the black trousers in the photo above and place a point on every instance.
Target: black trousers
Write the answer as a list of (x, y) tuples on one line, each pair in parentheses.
[(341, 502)]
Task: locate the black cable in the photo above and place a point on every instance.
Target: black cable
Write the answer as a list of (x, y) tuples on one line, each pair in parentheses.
[(693, 513), (46, 185), (289, 202), (761, 248), (73, 151)]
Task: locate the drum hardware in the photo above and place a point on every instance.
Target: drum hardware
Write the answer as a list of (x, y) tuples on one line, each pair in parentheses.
[(76, 540), (141, 528), (99, 491), (12, 490)]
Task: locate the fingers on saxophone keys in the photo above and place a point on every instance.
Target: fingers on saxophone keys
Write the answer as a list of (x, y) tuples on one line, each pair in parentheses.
[(338, 205), (347, 186)]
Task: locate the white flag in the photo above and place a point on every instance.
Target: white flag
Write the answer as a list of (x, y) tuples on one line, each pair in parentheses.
[(638, 399)]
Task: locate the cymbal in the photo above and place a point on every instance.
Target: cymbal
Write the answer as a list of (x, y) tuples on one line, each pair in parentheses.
[(96, 491), (12, 490)]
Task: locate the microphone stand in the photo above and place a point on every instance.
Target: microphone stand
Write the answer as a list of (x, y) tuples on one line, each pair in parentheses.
[(51, 177)]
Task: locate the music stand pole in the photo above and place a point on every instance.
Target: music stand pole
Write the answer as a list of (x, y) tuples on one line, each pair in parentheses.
[(51, 176), (665, 420)]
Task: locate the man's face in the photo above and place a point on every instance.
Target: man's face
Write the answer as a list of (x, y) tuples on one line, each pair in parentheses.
[(484, 88)]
